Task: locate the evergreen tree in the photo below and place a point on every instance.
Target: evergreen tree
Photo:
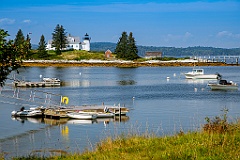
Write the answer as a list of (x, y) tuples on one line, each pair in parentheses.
[(132, 48), (121, 48), (19, 40), (28, 46), (10, 57), (126, 47), (28, 39), (59, 38), (42, 52), (22, 46)]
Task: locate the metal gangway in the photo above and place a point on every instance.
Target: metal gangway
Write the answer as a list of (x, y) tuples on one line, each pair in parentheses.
[(229, 59), (30, 97)]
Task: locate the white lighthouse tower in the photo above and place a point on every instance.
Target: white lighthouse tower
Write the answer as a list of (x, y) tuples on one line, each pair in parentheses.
[(86, 43)]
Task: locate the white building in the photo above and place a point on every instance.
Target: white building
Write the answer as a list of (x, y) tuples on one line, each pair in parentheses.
[(73, 43)]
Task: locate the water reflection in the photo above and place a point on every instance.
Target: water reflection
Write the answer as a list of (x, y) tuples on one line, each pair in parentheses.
[(126, 82), (61, 121)]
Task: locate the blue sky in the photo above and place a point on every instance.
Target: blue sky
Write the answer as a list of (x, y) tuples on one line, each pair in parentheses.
[(170, 23)]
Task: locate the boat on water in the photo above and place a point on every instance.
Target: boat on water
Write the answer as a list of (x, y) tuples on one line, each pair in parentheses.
[(199, 74), (223, 85), (99, 114), (46, 82), (32, 112), (81, 115)]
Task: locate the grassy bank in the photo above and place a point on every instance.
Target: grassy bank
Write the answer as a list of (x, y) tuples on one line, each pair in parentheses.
[(217, 140)]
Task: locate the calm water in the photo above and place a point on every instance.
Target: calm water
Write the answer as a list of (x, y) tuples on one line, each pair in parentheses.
[(160, 105)]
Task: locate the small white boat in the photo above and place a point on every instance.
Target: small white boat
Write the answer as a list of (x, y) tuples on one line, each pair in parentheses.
[(223, 85), (105, 115), (199, 74), (27, 113), (100, 114), (81, 115)]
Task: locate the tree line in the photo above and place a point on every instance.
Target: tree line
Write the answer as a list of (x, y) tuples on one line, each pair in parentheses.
[(12, 52)]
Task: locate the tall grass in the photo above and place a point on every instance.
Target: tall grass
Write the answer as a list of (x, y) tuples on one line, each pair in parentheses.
[(212, 142)]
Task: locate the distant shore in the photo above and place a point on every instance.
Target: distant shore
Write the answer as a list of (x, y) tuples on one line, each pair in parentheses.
[(119, 63)]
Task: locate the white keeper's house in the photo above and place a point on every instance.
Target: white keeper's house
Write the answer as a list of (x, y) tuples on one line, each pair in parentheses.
[(73, 43)]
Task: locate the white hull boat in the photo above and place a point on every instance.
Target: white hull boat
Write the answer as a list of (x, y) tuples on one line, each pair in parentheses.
[(100, 114), (27, 113), (199, 74), (80, 115), (223, 85)]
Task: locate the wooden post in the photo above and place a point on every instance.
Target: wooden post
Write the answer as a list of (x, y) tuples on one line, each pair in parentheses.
[(119, 112)]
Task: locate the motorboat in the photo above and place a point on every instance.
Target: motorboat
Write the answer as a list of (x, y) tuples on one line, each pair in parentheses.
[(27, 113), (223, 85), (199, 74), (81, 115)]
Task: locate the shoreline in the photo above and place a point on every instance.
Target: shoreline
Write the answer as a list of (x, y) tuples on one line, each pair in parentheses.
[(118, 63)]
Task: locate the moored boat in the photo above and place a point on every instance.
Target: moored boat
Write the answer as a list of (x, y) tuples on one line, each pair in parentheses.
[(223, 85), (199, 74), (27, 113), (80, 115)]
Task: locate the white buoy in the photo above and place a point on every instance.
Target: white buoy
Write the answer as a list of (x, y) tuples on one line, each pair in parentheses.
[(195, 89), (40, 76), (174, 74), (80, 73)]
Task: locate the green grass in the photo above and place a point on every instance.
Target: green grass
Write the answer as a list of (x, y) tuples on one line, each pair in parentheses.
[(85, 55), (70, 55), (207, 144)]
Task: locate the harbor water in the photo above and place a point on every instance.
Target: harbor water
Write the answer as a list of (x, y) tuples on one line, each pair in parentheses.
[(160, 101)]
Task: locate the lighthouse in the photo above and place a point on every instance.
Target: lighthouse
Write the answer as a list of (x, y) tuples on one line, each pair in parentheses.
[(86, 43)]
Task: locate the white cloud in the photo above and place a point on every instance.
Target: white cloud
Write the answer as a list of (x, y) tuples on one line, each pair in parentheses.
[(7, 21), (184, 37), (27, 21), (227, 34)]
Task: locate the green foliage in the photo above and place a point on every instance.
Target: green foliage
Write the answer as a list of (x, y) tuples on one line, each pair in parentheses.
[(42, 52), (11, 54), (22, 45), (81, 55), (126, 47), (59, 39)]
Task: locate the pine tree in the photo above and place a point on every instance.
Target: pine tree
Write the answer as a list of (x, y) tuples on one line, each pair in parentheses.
[(19, 40), (22, 46), (126, 47), (28, 39), (59, 38), (132, 48), (121, 48), (28, 46), (42, 52)]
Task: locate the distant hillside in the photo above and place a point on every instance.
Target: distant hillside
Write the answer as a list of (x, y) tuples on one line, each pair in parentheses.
[(170, 51), (167, 51)]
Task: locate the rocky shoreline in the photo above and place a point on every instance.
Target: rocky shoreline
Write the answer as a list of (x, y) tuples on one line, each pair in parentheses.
[(99, 63)]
